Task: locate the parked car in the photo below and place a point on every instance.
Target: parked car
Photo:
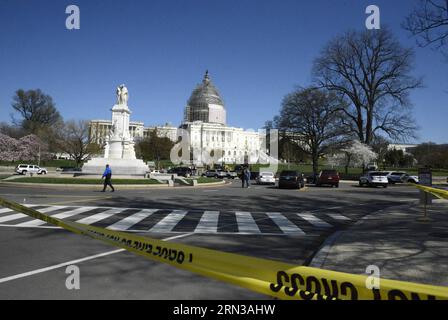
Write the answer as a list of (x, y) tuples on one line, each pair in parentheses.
[(254, 175), (29, 168), (266, 178), (374, 179), (395, 176), (328, 177), (231, 174), (181, 171), (406, 178), (291, 179), (218, 174)]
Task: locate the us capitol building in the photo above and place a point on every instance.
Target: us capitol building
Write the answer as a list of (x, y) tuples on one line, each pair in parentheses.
[(205, 121)]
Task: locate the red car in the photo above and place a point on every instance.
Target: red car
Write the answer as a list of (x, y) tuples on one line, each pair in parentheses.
[(328, 177)]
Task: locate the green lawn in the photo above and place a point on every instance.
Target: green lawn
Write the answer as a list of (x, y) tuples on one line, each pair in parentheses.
[(200, 180), (84, 181), (4, 176)]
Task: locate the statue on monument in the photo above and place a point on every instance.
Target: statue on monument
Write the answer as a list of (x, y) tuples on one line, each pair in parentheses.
[(122, 95)]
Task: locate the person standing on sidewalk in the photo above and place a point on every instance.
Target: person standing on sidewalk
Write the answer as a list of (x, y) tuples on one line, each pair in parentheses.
[(247, 174), (243, 177), (107, 176)]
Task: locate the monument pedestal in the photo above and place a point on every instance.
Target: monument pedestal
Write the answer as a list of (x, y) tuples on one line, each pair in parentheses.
[(119, 153), (122, 167)]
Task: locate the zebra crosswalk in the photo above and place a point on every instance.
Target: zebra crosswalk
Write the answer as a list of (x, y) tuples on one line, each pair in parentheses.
[(194, 221)]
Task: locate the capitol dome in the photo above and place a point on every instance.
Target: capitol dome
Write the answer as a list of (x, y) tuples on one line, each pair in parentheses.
[(205, 104)]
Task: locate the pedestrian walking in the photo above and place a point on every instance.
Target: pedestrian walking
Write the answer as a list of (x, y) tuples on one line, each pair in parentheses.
[(107, 176), (247, 173), (243, 177)]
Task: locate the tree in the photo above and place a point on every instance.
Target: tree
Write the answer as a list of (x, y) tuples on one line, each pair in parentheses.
[(27, 148), (154, 148), (429, 23), (371, 71), (380, 146), (75, 140), (431, 154), (11, 130), (36, 109), (310, 116), (290, 150), (357, 154)]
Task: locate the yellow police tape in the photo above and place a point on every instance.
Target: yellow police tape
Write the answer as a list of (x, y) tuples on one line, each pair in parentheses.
[(439, 193), (276, 279)]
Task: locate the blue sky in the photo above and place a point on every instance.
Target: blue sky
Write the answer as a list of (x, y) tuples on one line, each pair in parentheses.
[(256, 51)]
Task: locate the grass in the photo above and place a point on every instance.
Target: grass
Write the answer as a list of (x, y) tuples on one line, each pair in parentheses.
[(4, 176), (84, 181), (207, 180), (200, 180)]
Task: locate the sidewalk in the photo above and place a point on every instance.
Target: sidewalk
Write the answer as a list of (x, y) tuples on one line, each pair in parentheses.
[(403, 248)]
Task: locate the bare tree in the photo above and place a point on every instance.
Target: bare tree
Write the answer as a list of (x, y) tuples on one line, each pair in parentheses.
[(75, 140), (36, 109), (372, 71), (311, 117), (429, 22)]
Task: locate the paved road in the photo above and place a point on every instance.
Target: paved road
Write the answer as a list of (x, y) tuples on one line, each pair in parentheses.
[(285, 225)]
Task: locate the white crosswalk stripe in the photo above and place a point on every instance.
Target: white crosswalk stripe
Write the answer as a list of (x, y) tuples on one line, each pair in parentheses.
[(284, 224), (37, 222), (17, 216), (100, 216), (246, 223), (132, 220), (169, 222), (208, 222), (63, 215), (12, 217), (337, 216), (314, 220)]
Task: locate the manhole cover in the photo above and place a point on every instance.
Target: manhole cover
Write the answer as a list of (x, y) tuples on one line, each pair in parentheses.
[(439, 235)]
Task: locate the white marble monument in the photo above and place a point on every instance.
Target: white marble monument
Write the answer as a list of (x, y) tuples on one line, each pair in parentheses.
[(119, 152)]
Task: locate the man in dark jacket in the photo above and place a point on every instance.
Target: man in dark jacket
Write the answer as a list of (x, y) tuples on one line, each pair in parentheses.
[(108, 177)]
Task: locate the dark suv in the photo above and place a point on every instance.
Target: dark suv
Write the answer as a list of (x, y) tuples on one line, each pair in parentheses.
[(328, 177), (181, 171), (291, 179)]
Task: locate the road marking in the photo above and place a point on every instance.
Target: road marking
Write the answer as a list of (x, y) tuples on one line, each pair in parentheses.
[(246, 223), (169, 222), (68, 263), (337, 216), (284, 224), (12, 217), (5, 210), (208, 222), (128, 222), (37, 222), (314, 220), (100, 216), (63, 215)]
